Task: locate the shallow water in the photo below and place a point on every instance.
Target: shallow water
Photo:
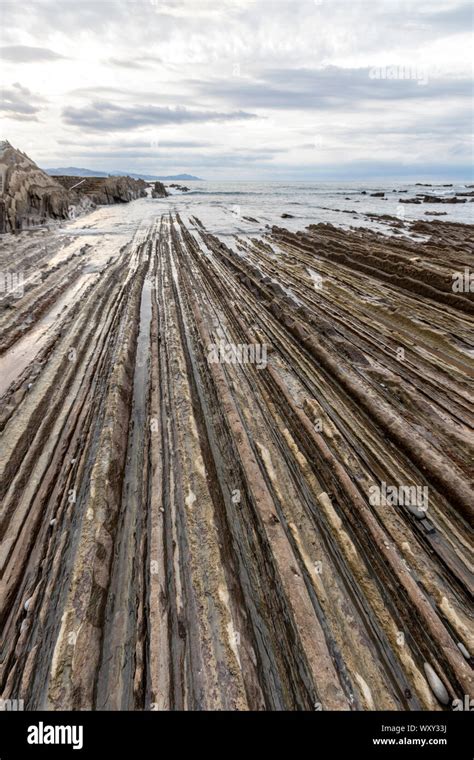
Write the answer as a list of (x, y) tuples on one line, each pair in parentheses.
[(223, 206)]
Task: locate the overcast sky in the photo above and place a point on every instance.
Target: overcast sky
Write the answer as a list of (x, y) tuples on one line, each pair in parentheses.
[(241, 89)]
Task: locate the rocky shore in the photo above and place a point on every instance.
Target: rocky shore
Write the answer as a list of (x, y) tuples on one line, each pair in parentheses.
[(236, 474), (158, 190), (103, 190), (30, 198)]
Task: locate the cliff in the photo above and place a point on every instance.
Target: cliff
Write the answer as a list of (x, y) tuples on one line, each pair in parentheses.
[(29, 197), (104, 190)]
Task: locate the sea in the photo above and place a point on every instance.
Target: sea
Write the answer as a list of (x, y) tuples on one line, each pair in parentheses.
[(233, 209), (227, 207)]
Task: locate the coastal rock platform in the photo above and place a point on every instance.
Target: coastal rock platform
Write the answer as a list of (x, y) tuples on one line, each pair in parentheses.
[(203, 445)]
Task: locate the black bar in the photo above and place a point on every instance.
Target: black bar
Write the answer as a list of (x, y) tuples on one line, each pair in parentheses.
[(310, 735)]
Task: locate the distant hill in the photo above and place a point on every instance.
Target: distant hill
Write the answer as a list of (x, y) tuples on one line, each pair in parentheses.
[(73, 171), (188, 177)]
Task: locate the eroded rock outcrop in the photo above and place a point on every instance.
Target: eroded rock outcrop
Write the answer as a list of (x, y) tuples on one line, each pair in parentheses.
[(104, 190), (159, 190), (28, 196), (181, 188)]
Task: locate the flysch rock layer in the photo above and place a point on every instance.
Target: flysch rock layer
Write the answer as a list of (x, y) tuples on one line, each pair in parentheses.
[(104, 190), (28, 196), (184, 533)]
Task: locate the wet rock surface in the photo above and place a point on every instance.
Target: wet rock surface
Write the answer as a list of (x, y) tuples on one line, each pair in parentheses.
[(186, 526), (181, 188), (158, 190)]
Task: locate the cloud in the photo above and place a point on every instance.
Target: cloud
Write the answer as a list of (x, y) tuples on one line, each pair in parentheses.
[(140, 62), (166, 159), (133, 96), (155, 142), (303, 68), (100, 91), (333, 87), (451, 21), (125, 63), (103, 116), (182, 143), (17, 102), (27, 54)]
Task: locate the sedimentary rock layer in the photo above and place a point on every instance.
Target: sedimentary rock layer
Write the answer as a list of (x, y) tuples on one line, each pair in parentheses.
[(158, 190), (104, 190), (30, 198), (192, 435)]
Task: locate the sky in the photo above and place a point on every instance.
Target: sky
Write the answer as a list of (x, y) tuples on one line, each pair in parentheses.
[(241, 89)]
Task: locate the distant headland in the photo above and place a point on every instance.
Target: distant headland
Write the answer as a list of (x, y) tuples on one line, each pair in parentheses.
[(74, 171)]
